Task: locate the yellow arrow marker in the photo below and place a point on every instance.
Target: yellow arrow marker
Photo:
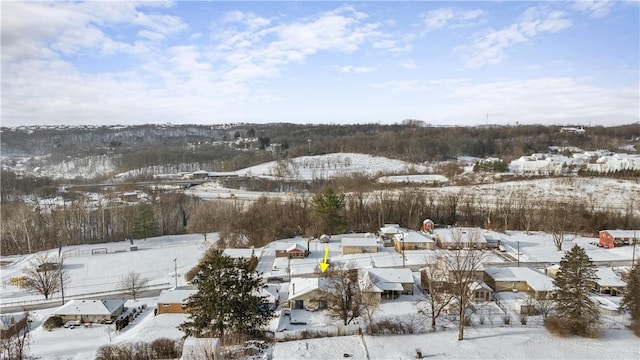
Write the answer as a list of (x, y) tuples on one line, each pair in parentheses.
[(323, 264)]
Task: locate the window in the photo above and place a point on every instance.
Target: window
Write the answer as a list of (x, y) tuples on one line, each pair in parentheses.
[(322, 304)]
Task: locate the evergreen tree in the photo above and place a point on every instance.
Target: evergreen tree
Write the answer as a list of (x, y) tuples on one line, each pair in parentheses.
[(144, 224), (575, 279), (327, 208), (631, 299), (228, 300)]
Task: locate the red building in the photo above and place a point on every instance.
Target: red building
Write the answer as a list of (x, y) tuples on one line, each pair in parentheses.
[(615, 238)]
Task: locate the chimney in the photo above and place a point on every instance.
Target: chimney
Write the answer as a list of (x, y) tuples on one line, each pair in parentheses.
[(293, 289)]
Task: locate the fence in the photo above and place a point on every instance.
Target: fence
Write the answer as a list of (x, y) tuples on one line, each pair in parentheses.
[(55, 300), (317, 332)]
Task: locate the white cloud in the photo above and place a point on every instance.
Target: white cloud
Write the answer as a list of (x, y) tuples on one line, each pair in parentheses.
[(595, 8), (452, 17), (490, 48), (542, 100), (249, 56), (355, 69), (409, 64)]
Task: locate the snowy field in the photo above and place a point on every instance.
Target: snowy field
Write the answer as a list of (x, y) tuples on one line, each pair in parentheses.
[(101, 272)]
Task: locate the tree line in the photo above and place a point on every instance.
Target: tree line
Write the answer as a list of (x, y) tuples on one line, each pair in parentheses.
[(27, 228)]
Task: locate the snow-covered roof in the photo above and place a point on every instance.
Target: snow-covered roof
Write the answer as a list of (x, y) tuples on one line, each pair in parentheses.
[(379, 280), (624, 233), (391, 229), (535, 279), (301, 286), (416, 237), (359, 241), (177, 295), (479, 285), (89, 307), (462, 235), (297, 248), (606, 277), (239, 253)]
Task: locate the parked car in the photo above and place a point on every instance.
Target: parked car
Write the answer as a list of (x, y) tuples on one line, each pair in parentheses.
[(71, 324)]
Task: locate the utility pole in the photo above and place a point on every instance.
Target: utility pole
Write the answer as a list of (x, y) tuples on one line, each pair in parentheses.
[(403, 259), (61, 281), (518, 242), (175, 270)]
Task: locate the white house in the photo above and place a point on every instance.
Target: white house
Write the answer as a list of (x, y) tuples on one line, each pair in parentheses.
[(389, 283)]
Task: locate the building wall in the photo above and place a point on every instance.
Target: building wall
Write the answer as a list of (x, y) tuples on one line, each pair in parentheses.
[(358, 249), (414, 246), (171, 309), (606, 239), (311, 301), (87, 318)]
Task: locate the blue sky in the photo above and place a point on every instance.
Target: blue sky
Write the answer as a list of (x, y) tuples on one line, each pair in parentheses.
[(446, 63)]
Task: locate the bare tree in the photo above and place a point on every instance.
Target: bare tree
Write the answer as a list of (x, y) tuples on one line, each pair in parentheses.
[(545, 305), (15, 344), (201, 220), (45, 276), (343, 295), (463, 267), (132, 283), (559, 224), (439, 295)]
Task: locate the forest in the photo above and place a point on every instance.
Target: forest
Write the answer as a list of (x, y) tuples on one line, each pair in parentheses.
[(28, 224)]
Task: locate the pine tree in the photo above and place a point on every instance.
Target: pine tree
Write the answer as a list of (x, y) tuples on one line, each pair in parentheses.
[(228, 300), (144, 224), (631, 299), (575, 279), (327, 208)]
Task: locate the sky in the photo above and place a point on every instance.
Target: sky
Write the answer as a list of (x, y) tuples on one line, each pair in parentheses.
[(333, 62)]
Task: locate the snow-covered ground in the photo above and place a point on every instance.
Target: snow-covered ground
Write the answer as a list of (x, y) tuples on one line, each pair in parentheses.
[(154, 258)]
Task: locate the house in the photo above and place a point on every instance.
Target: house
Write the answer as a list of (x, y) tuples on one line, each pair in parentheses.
[(308, 293), (201, 348), (480, 291), (531, 281), (460, 238), (615, 238), (413, 240), (11, 325), (174, 301), (295, 251), (387, 283), (608, 282), (493, 239), (271, 293), (90, 310), (357, 245)]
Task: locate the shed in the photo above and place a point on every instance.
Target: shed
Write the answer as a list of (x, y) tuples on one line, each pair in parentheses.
[(615, 238), (174, 301)]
